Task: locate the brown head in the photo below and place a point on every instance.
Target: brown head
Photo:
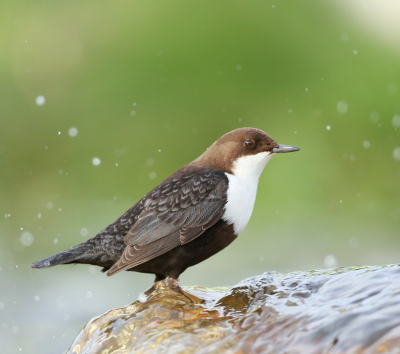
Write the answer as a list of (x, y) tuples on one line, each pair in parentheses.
[(232, 147)]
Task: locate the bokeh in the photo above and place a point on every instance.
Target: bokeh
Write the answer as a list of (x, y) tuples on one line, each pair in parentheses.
[(102, 100)]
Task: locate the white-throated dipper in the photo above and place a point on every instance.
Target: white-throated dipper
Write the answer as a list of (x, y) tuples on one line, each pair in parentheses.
[(190, 216)]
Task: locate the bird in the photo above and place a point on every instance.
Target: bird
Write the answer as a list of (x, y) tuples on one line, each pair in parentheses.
[(190, 216)]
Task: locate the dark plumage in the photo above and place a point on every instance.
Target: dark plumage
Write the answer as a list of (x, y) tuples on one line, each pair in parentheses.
[(180, 222)]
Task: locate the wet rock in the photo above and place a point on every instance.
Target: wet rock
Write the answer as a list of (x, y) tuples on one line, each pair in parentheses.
[(344, 310)]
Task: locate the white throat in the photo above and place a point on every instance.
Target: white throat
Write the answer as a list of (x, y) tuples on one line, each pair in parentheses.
[(242, 189)]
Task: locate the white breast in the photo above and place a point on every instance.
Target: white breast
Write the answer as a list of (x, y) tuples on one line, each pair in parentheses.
[(242, 189)]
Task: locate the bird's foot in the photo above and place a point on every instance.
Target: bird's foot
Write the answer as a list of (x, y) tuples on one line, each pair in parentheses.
[(173, 284)]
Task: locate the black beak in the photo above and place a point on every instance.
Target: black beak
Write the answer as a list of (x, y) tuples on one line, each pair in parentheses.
[(285, 148)]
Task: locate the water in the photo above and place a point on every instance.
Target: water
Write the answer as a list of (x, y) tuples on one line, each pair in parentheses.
[(342, 107), (72, 132), (40, 100), (96, 161), (344, 310)]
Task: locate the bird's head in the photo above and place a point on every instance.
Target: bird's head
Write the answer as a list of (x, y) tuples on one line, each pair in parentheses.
[(242, 152)]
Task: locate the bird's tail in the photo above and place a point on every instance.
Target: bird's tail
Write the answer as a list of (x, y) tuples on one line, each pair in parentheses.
[(72, 255)]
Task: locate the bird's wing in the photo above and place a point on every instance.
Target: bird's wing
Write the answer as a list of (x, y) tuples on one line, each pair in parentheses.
[(174, 213)]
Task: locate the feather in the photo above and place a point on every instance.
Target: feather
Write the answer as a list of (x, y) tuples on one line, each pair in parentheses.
[(174, 213)]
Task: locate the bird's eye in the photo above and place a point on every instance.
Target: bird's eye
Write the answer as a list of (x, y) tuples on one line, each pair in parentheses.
[(249, 143)]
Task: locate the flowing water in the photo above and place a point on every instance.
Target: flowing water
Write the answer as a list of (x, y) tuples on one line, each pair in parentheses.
[(343, 310)]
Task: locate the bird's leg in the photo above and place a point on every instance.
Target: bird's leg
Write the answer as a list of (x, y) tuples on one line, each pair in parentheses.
[(159, 277), (173, 284)]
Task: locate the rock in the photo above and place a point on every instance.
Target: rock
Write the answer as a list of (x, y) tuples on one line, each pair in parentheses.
[(344, 310)]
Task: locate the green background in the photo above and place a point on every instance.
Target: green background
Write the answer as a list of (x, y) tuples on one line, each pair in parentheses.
[(149, 85)]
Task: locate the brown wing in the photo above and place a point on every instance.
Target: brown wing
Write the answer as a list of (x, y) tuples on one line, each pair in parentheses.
[(176, 212)]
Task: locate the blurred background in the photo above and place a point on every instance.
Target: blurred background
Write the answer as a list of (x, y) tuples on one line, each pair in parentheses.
[(102, 100)]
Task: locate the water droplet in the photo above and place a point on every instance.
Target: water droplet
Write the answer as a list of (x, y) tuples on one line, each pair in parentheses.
[(159, 150), (96, 161), (366, 144), (133, 113), (89, 294), (59, 133), (142, 297), (37, 298), (152, 175), (1, 306), (72, 132), (27, 238), (328, 127), (49, 205), (238, 67), (150, 162), (47, 264), (55, 241), (40, 100), (396, 153), (330, 261), (342, 107), (84, 232), (39, 215), (355, 52), (396, 120)]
